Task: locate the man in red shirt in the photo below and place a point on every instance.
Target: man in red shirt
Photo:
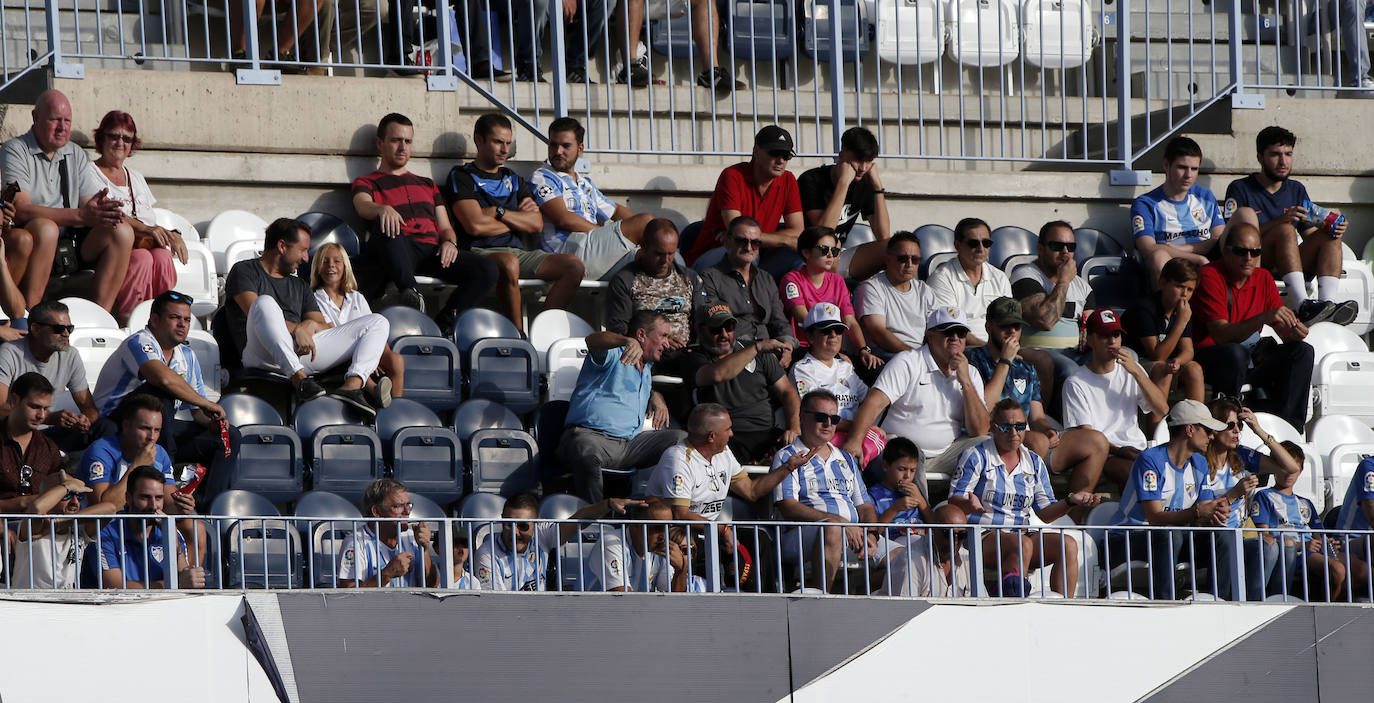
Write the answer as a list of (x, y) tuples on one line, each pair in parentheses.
[(765, 190), (1235, 299)]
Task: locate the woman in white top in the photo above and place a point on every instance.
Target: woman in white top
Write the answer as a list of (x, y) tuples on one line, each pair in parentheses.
[(122, 281), (336, 290)]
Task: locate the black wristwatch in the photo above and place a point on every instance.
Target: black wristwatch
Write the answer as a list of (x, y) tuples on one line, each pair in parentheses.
[(500, 213), (866, 348)]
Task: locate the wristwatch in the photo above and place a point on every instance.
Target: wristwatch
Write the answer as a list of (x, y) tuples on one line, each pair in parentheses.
[(866, 348), (500, 213)]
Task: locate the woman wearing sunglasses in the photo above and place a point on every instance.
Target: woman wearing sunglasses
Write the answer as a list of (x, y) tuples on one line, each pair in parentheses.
[(133, 261), (816, 282), (999, 482)]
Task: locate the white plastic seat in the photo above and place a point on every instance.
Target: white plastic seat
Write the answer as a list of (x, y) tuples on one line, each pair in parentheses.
[(1057, 34), (86, 313), (198, 278), (207, 353), (138, 318), (167, 219), (553, 325), (564, 364), (1343, 383), (229, 227), (95, 346), (1274, 425), (910, 32), (242, 250), (983, 33), (1340, 442), (1357, 283)]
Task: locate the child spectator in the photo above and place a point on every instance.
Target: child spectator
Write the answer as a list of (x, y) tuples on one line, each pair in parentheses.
[(1302, 552), (1159, 327), (897, 498)]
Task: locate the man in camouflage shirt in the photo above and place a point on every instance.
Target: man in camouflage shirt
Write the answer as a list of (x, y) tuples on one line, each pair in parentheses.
[(655, 281)]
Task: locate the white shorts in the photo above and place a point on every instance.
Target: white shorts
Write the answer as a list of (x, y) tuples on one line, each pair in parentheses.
[(599, 249)]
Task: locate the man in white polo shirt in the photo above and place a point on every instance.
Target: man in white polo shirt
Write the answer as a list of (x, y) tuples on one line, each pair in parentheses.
[(936, 398), (970, 282)]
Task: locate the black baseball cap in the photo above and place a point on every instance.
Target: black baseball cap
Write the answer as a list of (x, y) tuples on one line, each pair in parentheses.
[(774, 138)]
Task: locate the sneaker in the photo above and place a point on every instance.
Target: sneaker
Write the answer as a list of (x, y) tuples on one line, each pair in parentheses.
[(308, 390), (577, 75), (1014, 585), (1344, 313), (1313, 311), (718, 80), (411, 298), (381, 393), (485, 72), (636, 74), (357, 398), (529, 75)]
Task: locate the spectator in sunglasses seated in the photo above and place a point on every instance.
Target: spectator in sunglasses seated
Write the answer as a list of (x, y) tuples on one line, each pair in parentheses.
[(45, 556), (1235, 300), (824, 369), (514, 555), (1006, 374), (932, 395), (1054, 300), (749, 291), (893, 304), (47, 350), (816, 283), (969, 282)]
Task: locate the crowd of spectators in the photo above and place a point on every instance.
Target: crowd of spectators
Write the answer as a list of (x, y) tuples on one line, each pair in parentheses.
[(991, 387)]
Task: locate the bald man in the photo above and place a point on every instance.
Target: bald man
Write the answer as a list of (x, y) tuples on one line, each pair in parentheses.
[(58, 190)]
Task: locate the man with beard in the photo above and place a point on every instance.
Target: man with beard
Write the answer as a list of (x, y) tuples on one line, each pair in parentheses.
[(132, 552), (47, 350), (45, 556), (578, 218), (655, 281), (514, 556), (1296, 244)]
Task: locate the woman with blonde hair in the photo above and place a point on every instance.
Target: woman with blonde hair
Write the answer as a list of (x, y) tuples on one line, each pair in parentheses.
[(336, 291)]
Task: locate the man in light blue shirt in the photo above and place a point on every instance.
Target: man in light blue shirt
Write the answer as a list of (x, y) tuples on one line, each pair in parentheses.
[(1179, 218), (578, 218), (614, 394)]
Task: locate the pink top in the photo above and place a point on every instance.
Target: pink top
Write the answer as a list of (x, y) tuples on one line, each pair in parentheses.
[(797, 290)]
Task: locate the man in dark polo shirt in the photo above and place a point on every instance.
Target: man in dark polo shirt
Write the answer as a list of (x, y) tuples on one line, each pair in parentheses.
[(750, 292), (27, 456), (748, 380), (410, 230)]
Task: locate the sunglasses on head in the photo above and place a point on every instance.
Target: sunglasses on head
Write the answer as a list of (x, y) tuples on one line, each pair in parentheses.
[(1061, 246), (1011, 426), (978, 243), (826, 418), (747, 243), (179, 297), (827, 251), (913, 259), (1246, 251), (58, 329)]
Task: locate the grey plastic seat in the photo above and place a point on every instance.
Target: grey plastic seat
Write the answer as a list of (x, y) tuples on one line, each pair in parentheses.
[(270, 463), (560, 506), (505, 462), (245, 409), (403, 413), (327, 535), (256, 553), (1009, 241), (481, 505), (322, 412), (407, 321), (429, 460), (481, 323), (480, 413), (344, 459), (325, 228), (434, 369), (934, 239), (505, 370), (1094, 242)]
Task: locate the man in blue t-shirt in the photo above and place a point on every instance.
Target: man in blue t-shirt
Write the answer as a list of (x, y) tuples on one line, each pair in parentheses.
[(1168, 486), (493, 210), (131, 552), (1008, 375), (1296, 243), (613, 396), (1179, 218)]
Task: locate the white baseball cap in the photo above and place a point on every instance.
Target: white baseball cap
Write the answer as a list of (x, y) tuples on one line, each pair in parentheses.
[(1192, 412), (825, 316), (944, 318)]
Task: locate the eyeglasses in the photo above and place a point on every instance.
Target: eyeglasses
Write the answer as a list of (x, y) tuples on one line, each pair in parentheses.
[(70, 495), (524, 526), (179, 297), (58, 329), (1229, 426), (747, 242), (1061, 246), (1246, 251), (908, 259), (1011, 426), (828, 251), (126, 138), (826, 418), (949, 334), (978, 243), (398, 506)]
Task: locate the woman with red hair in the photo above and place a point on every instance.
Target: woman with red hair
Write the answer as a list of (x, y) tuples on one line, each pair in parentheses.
[(121, 283)]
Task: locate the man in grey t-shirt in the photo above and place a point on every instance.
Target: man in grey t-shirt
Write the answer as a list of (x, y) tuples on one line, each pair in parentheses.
[(893, 304), (275, 319), (47, 351)]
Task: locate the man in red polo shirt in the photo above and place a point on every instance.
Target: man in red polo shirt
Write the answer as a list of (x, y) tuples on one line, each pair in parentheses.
[(1235, 299), (765, 190)]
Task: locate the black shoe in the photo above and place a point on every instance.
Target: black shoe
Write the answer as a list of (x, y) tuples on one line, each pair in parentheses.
[(718, 80), (411, 298), (357, 398), (288, 63), (577, 75), (308, 390), (636, 74), (1313, 311), (381, 393), (1344, 313), (446, 319), (529, 75), (485, 72)]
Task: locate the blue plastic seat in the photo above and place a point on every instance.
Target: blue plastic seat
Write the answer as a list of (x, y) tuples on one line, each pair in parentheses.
[(761, 30), (402, 413), (321, 412), (244, 409), (934, 239), (1094, 242), (506, 371), (326, 536), (260, 553), (407, 321), (560, 506), (270, 463), (481, 323), (433, 370), (344, 459), (504, 461), (326, 228), (479, 414), (854, 30), (429, 460), (1011, 241)]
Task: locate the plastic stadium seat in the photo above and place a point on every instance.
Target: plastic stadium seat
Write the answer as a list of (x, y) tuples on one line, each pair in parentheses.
[(760, 30), (167, 219), (405, 320), (1341, 443), (1342, 373), (1094, 242), (932, 261), (326, 228), (230, 227), (552, 325), (1357, 284), (422, 507), (429, 460), (853, 29), (344, 459), (260, 553), (326, 535), (96, 346), (242, 250), (321, 412), (934, 239), (1057, 34), (481, 323), (909, 32), (687, 237), (207, 353), (672, 37), (564, 365), (504, 461), (433, 370), (560, 506), (1101, 516), (983, 33), (198, 278), (481, 505), (1274, 425), (403, 413), (86, 313), (709, 258), (270, 463), (1008, 241), (479, 414), (1016, 261), (244, 409), (1114, 280), (504, 370)]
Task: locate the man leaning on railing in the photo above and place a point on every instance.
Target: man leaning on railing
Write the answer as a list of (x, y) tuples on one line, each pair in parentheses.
[(131, 551), (45, 556)]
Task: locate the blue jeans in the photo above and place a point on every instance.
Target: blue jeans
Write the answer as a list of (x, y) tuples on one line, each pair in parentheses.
[(528, 18), (1349, 16)]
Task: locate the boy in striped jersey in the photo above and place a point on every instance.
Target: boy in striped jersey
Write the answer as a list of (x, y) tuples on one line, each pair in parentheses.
[(1357, 513), (1304, 554), (1179, 219)]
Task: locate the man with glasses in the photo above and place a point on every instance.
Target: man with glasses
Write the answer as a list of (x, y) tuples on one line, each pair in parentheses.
[(1054, 300), (824, 369), (1235, 300), (45, 555), (933, 397), (828, 487), (1007, 375), (392, 551), (893, 304), (156, 361), (765, 190), (47, 350), (747, 379), (749, 291), (27, 457), (1179, 218), (655, 281), (514, 555), (969, 282)]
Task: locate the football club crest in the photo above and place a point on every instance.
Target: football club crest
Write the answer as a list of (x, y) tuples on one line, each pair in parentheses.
[(156, 553), (1019, 384)]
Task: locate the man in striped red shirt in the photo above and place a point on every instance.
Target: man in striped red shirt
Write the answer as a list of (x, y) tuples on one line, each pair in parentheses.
[(410, 230)]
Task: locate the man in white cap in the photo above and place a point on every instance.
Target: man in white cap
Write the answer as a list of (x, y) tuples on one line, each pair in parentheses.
[(935, 397), (1168, 486)]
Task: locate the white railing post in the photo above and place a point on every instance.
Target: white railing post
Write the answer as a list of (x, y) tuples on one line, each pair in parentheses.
[(444, 81), (837, 120), (255, 74), (60, 69), (1125, 175), (170, 554), (1240, 99), (1237, 541), (559, 82)]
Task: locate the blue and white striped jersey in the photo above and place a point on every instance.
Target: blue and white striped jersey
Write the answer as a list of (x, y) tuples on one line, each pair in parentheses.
[(120, 375), (580, 195), (613, 563), (1186, 221), (1287, 511), (1154, 477), (1226, 479), (1361, 488), (364, 555), (830, 485), (501, 570), (1008, 497)]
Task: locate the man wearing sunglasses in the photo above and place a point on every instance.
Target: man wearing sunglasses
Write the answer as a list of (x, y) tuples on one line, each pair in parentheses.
[(765, 190), (1054, 299), (45, 556), (893, 305), (969, 282), (932, 395), (1235, 300), (1007, 375), (514, 555), (47, 350), (751, 292), (1179, 218)]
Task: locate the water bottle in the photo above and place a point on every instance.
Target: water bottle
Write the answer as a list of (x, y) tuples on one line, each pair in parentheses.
[(1318, 216)]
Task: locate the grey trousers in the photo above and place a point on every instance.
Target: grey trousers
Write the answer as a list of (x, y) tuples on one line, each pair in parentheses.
[(586, 452)]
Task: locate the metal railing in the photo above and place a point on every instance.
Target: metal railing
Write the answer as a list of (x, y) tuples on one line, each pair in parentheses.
[(963, 561)]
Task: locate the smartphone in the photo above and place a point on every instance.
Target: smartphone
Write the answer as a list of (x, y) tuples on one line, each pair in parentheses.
[(11, 190)]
